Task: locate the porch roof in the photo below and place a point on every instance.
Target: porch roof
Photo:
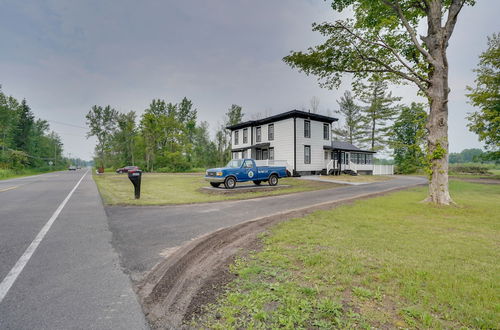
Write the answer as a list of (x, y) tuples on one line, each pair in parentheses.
[(346, 146), (258, 145)]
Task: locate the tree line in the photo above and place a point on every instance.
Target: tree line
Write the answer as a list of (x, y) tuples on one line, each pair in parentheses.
[(26, 141), (373, 120), (165, 138)]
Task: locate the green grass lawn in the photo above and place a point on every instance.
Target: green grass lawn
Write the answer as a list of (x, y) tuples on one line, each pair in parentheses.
[(159, 189), (11, 174), (385, 262)]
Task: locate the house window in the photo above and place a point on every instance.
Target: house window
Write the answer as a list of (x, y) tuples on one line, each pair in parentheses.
[(326, 132), (326, 155), (307, 154), (270, 132), (236, 137), (265, 154), (271, 153), (259, 154), (369, 159), (258, 135), (307, 129), (245, 135)]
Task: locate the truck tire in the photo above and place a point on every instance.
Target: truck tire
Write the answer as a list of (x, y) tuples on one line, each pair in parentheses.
[(257, 182), (273, 180), (230, 182), (215, 184)]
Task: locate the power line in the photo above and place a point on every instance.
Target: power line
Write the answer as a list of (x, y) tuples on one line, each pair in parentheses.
[(62, 123)]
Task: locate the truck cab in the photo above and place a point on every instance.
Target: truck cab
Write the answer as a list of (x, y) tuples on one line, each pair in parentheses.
[(244, 170)]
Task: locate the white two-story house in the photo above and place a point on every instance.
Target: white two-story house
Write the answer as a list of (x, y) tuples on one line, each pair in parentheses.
[(302, 140)]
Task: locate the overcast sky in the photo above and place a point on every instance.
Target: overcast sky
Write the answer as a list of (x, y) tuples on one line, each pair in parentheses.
[(64, 56)]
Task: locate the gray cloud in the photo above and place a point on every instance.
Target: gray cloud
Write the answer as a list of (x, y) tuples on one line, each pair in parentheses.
[(65, 56)]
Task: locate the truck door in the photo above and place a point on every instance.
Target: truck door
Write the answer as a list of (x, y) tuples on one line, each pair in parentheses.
[(247, 170)]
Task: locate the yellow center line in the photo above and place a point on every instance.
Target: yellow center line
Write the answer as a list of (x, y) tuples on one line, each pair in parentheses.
[(10, 188)]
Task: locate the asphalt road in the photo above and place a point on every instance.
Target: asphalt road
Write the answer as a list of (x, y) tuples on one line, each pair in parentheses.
[(73, 280), (142, 234)]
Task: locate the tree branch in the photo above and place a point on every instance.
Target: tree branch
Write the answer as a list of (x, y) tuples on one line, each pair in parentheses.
[(397, 8), (453, 11), (417, 79)]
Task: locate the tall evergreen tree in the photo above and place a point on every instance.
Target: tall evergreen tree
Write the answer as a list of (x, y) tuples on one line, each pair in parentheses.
[(378, 112), (22, 134), (353, 129)]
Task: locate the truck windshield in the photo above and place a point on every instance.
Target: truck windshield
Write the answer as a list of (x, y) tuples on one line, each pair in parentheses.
[(235, 163)]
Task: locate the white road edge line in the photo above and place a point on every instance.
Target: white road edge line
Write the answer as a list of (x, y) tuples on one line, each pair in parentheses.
[(11, 277)]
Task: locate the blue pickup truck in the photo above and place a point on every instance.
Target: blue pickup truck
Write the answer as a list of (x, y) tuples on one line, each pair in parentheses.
[(243, 170)]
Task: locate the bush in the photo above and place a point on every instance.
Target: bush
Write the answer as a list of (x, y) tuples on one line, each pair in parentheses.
[(468, 169)]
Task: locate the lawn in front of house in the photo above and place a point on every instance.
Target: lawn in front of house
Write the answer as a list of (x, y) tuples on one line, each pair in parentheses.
[(385, 262), (162, 188), (357, 178)]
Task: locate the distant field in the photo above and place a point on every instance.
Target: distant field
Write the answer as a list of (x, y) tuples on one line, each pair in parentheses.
[(160, 188), (388, 262)]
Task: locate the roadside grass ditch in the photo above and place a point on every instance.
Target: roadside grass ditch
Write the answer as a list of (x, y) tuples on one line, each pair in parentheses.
[(386, 262), (163, 189)]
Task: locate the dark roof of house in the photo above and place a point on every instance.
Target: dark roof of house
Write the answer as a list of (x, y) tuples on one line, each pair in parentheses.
[(346, 146), (284, 115)]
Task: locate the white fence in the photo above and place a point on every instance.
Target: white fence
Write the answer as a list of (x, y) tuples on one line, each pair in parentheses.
[(383, 169)]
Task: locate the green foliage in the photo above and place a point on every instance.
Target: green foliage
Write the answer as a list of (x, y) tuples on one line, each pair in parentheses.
[(354, 128), (469, 169), (386, 262), (378, 112), (26, 142), (166, 139), (486, 96), (407, 138), (466, 156)]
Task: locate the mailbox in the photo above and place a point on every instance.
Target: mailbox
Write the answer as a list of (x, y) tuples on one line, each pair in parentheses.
[(135, 177)]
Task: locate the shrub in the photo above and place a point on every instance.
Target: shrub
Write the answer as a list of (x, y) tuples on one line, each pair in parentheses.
[(468, 169)]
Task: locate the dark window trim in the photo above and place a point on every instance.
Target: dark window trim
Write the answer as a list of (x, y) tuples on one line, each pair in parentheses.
[(326, 132), (271, 149), (305, 160), (236, 137), (258, 137), (308, 135), (245, 136), (270, 136)]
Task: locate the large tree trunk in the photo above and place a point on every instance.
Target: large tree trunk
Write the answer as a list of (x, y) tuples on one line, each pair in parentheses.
[(437, 124)]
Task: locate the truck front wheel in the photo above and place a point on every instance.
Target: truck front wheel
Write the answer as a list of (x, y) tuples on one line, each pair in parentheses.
[(257, 182), (230, 182), (215, 184), (273, 180)]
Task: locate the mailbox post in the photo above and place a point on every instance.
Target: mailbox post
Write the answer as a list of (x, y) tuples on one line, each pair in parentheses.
[(135, 177)]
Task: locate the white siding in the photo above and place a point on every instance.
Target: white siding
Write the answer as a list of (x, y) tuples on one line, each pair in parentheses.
[(316, 142), (283, 140)]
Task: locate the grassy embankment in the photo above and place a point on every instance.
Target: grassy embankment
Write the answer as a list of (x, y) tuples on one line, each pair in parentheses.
[(158, 189), (11, 174), (386, 262)]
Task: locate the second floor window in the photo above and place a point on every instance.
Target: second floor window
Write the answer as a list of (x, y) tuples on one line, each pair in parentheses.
[(270, 132), (245, 135), (236, 137), (307, 129), (326, 131), (258, 135)]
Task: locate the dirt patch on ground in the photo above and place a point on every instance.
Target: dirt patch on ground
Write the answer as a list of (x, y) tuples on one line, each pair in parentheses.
[(241, 189), (193, 275)]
